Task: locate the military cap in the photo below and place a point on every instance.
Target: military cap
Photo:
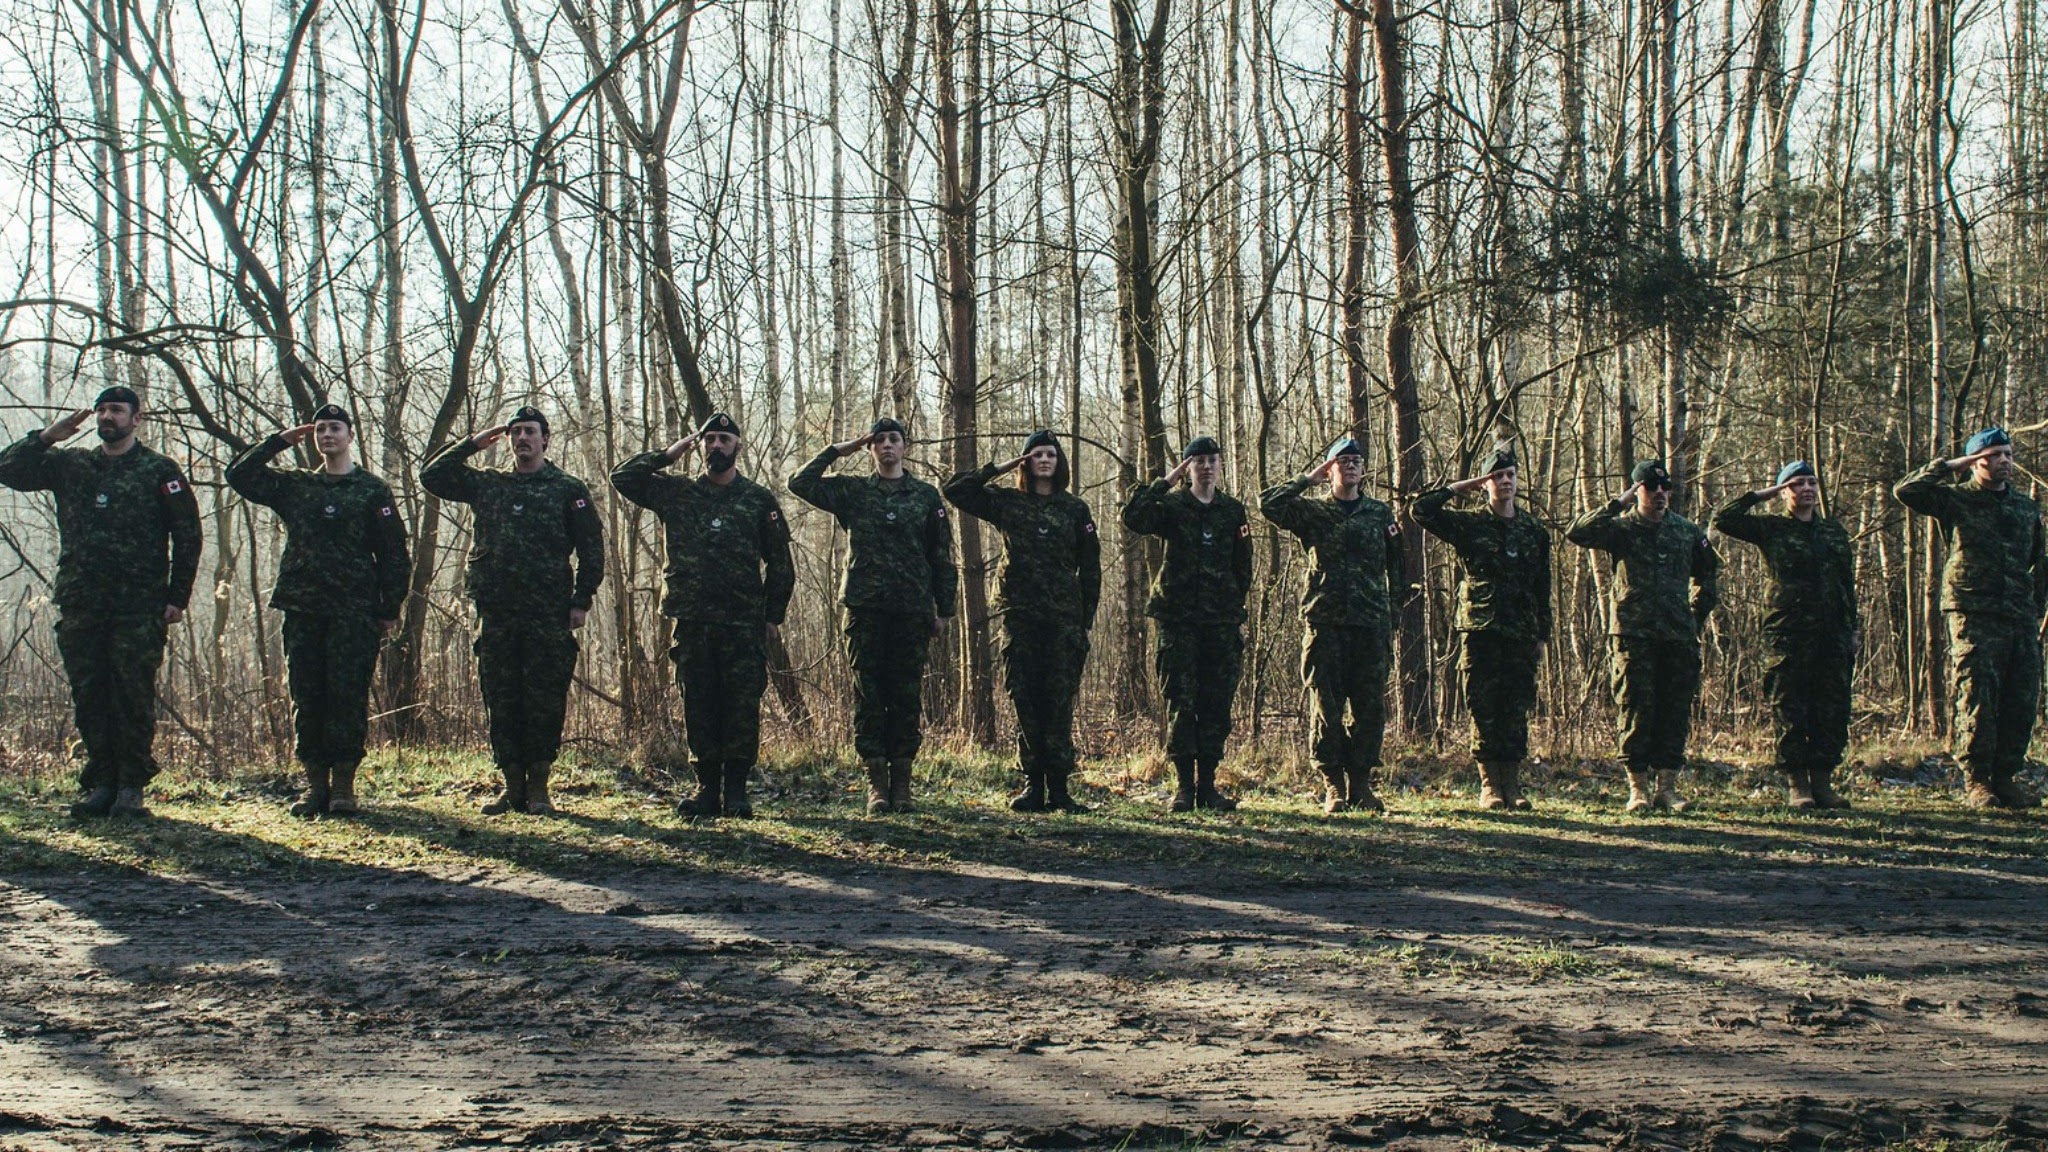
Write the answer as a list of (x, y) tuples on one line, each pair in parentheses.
[(120, 394), (1501, 457), (333, 412), (1345, 447), (1992, 437), (1651, 474), (1201, 446), (528, 414), (1043, 438), (1796, 468), (889, 424), (718, 422)]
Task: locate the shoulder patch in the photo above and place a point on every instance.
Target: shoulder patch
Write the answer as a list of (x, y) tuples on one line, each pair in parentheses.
[(387, 510), (1244, 529), (1393, 528), (940, 511), (774, 514), (582, 503), (1089, 527), (173, 487)]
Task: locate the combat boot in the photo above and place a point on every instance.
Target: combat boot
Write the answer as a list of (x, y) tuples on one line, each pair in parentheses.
[(1668, 799), (513, 798), (538, 802), (1058, 799), (128, 802), (878, 787), (1824, 793), (1978, 792), (899, 784), (1799, 791), (706, 803), (1335, 797), (1032, 798), (1493, 793), (1642, 791), (314, 801), (342, 798), (2010, 792), (1511, 779), (97, 802), (1206, 795), (1358, 783), (736, 802), (1184, 784)]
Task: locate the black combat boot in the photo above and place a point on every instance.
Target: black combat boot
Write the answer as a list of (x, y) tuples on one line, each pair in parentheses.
[(513, 799), (878, 787), (538, 802), (1032, 798), (736, 802), (1824, 792), (342, 792), (899, 784), (1058, 799), (314, 801), (1358, 784), (710, 782), (1206, 795), (1184, 784), (97, 802), (2011, 793), (1799, 789), (1336, 792)]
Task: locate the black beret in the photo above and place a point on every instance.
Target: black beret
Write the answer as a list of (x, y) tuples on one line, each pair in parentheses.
[(528, 414), (333, 412), (1201, 446), (1043, 438), (1344, 447), (1651, 473), (1501, 457), (120, 394), (889, 424), (718, 422)]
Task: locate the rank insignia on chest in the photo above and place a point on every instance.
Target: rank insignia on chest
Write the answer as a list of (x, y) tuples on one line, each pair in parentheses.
[(101, 500), (1044, 531), (890, 516), (1208, 537), (717, 522), (330, 509), (517, 509)]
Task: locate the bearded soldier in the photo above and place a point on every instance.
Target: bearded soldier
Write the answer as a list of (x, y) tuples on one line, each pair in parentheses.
[(729, 580), (899, 590), (1197, 605), (340, 586), (531, 519), (1666, 581), (1993, 592), (1810, 629), (1052, 578), (1503, 616), (128, 550), (1354, 561)]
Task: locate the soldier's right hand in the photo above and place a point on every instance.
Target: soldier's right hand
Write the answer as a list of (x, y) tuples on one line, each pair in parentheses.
[(490, 436), (1773, 490), (849, 447), (1629, 493), (1178, 472), (1964, 463), (297, 436), (675, 451), (1469, 484), (67, 426)]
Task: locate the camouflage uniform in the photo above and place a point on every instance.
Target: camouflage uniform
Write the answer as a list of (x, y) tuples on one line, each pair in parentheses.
[(899, 572), (344, 569), (1354, 560), (1051, 581), (1654, 621), (527, 526), (729, 576), (129, 539), (1502, 623), (1992, 591), (1810, 630)]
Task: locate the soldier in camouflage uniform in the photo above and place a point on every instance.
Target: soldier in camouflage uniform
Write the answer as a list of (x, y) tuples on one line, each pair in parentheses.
[(1354, 559), (1811, 627), (1666, 581), (1197, 605), (340, 586), (1503, 616), (729, 580), (128, 550), (530, 520), (1993, 592), (899, 590), (1051, 581)]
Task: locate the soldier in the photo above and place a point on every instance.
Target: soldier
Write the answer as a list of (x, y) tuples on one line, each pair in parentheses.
[(1354, 559), (899, 590), (340, 586), (530, 519), (128, 549), (1052, 578), (1198, 606), (729, 580), (1993, 592), (1503, 616), (1655, 624), (1811, 627)]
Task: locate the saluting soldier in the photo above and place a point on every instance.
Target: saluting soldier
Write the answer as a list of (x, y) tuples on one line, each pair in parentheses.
[(729, 579), (531, 520), (1197, 605), (340, 586), (1811, 627), (899, 589), (128, 550), (1993, 592), (1666, 581), (1354, 561), (1503, 616), (1051, 581)]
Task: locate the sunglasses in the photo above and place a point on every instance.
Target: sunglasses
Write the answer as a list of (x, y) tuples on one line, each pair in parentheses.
[(1657, 485)]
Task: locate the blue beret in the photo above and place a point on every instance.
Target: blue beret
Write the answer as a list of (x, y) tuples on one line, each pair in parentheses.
[(1796, 468), (1344, 447), (1991, 437)]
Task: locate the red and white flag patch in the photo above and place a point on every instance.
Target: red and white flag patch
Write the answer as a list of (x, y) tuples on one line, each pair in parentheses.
[(582, 503), (387, 510), (174, 487)]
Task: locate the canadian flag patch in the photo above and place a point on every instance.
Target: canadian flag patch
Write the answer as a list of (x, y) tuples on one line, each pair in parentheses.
[(1089, 527), (387, 510), (774, 515), (941, 512), (1244, 529), (582, 503), (174, 487), (1393, 529)]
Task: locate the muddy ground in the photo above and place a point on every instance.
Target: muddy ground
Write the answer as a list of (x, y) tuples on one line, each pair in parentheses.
[(1635, 996)]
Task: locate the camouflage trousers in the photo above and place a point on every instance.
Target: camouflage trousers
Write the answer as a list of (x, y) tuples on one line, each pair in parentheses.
[(524, 667), (1198, 667), (111, 662), (1807, 680), (721, 670), (1655, 683), (1346, 667), (328, 664), (888, 652), (1498, 674), (1998, 687), (1042, 661)]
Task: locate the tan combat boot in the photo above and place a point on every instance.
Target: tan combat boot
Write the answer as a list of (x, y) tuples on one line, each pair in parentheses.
[(1799, 789), (1358, 782), (1668, 799), (513, 798), (98, 802), (1978, 792), (342, 800), (128, 802), (1512, 779), (899, 784), (538, 802), (1824, 793), (314, 801), (1642, 791), (1493, 793), (1335, 796), (878, 787)]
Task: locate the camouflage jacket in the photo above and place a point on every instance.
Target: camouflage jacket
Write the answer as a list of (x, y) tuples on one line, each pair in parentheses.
[(1354, 553), (1504, 566), (1812, 566), (344, 549), (527, 526), (1208, 567), (1052, 557), (127, 526), (728, 544), (1996, 565), (899, 543), (1653, 564)]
